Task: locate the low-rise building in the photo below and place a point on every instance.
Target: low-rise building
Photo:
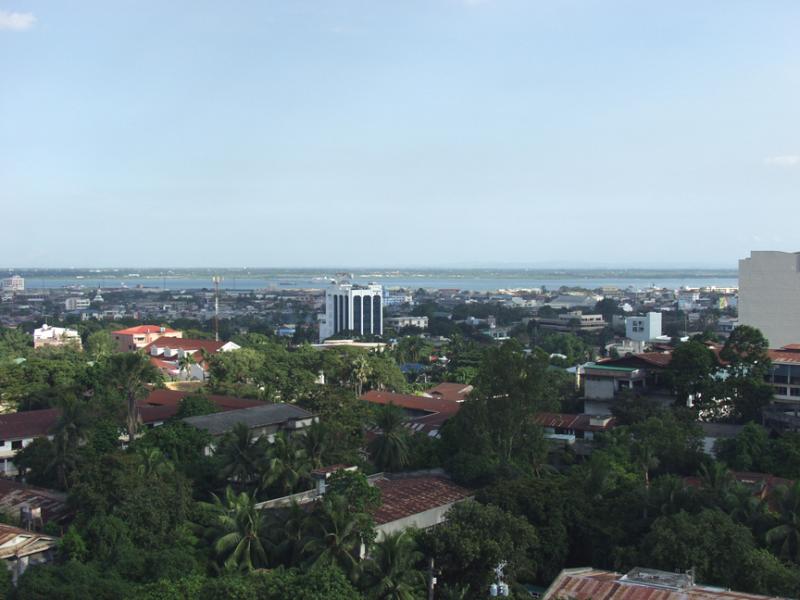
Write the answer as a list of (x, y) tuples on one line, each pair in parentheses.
[(77, 303), (590, 584), (55, 336), (136, 338), (168, 354), (407, 321), (21, 549), (573, 321), (263, 421)]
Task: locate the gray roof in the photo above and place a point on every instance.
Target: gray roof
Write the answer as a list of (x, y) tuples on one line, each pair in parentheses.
[(257, 416)]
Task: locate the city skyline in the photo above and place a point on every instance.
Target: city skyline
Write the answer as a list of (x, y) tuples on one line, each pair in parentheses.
[(439, 133)]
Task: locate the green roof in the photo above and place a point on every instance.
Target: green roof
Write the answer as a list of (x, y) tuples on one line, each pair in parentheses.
[(610, 368)]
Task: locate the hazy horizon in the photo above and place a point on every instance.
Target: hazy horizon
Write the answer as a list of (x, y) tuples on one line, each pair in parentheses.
[(424, 132)]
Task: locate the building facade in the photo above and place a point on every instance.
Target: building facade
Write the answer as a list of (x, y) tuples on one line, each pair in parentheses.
[(55, 336), (15, 283), (136, 338), (769, 295), (352, 308)]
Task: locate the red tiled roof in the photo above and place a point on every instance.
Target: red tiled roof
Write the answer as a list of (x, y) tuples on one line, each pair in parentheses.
[(28, 424), (403, 496), (580, 422), (140, 329), (787, 354), (590, 584), (659, 360), (762, 484), (408, 401), (456, 392), (163, 404)]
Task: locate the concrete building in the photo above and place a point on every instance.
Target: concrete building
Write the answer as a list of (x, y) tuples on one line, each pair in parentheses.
[(769, 295), (136, 338), (573, 321), (15, 283), (408, 321), (55, 336), (352, 308), (643, 329), (76, 303)]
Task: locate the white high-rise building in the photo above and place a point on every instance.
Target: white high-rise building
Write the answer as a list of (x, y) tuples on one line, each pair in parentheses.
[(15, 283), (769, 295), (354, 308)]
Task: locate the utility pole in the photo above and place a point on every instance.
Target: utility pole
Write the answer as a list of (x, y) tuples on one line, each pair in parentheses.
[(216, 279), (431, 579)]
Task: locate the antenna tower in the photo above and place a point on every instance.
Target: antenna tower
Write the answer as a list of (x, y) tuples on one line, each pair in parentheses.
[(217, 280)]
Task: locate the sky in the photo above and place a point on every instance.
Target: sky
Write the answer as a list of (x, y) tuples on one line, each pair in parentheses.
[(396, 133)]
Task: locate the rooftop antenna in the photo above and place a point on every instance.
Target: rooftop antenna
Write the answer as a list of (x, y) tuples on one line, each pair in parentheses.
[(217, 280)]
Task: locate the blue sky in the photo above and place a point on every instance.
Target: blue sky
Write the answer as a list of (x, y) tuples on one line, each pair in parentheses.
[(398, 132)]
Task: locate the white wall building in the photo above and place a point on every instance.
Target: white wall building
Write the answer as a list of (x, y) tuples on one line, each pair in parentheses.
[(769, 295), (354, 308), (643, 329), (55, 336), (407, 321), (15, 283), (75, 303)]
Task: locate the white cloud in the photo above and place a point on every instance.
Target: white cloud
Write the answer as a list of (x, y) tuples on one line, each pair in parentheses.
[(16, 21), (789, 161)]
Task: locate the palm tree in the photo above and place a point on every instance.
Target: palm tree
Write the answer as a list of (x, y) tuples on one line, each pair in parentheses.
[(337, 535), (286, 464), (240, 454), (787, 532), (646, 460), (718, 481), (315, 444), (390, 448), (185, 364), (291, 527), (153, 462), (359, 373), (69, 434), (131, 372), (238, 532), (391, 573)]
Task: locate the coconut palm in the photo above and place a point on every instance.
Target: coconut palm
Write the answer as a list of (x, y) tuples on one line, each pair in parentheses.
[(337, 535), (360, 372), (185, 364), (131, 373), (391, 573), (390, 448), (240, 454), (68, 435), (786, 534), (315, 444), (238, 532), (285, 465), (153, 462), (290, 527)]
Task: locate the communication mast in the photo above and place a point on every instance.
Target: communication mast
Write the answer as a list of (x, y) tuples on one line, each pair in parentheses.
[(217, 280)]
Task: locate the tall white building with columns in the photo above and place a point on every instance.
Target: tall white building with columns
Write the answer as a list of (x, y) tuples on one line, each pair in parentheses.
[(353, 308)]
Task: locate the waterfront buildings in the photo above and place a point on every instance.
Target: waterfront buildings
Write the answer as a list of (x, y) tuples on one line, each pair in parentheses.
[(357, 309), (15, 283), (769, 295)]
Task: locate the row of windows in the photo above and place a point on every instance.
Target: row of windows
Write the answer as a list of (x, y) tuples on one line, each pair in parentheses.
[(15, 445), (366, 314)]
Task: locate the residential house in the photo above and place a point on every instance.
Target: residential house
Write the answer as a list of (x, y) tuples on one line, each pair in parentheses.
[(424, 414), (136, 338), (167, 354), (55, 336), (21, 549), (33, 506), (265, 420)]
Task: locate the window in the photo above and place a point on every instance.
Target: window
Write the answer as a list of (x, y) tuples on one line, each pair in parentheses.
[(781, 390), (16, 445)]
